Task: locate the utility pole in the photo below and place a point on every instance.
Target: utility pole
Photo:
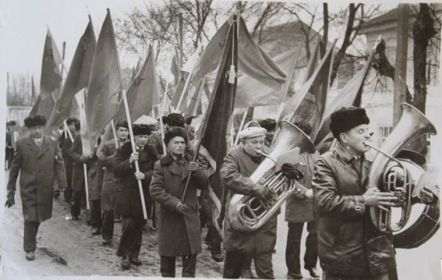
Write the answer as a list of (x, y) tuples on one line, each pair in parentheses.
[(400, 75), (181, 35)]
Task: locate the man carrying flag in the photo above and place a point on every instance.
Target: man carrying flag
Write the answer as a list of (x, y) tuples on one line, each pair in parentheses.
[(38, 158), (129, 201)]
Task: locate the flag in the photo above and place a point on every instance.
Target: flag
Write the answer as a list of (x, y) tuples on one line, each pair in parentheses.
[(87, 139), (179, 90), (50, 80), (104, 90), (252, 60), (143, 92), (349, 95), (195, 101), (290, 110), (252, 92), (213, 129), (77, 77), (174, 69)]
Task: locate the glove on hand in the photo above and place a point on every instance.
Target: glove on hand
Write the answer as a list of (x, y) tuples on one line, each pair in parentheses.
[(292, 171)]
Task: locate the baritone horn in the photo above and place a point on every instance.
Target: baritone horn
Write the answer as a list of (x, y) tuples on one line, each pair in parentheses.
[(248, 213), (398, 176)]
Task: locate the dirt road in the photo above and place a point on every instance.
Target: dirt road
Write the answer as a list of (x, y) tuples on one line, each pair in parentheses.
[(67, 248)]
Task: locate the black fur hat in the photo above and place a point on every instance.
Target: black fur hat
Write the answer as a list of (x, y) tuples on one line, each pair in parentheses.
[(140, 129), (175, 119), (174, 132), (268, 124), (36, 120), (121, 123), (347, 118)]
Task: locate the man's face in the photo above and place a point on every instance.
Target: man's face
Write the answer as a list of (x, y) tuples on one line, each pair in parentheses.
[(177, 145), (269, 136), (141, 140), (71, 127), (122, 133), (355, 138), (253, 146), (36, 131)]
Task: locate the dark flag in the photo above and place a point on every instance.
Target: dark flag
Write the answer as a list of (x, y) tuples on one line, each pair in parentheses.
[(50, 80), (77, 77), (213, 129), (104, 91), (143, 91)]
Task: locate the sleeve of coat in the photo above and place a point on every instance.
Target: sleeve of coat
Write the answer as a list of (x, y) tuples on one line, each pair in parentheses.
[(75, 151), (104, 157), (121, 165), (200, 179), (15, 168), (60, 171), (154, 157), (233, 179), (158, 192), (327, 199)]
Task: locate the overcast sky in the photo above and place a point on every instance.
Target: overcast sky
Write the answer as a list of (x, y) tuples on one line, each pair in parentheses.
[(24, 23)]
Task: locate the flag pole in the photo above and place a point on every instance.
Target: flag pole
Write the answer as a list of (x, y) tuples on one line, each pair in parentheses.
[(132, 142), (162, 109), (114, 132), (243, 120), (186, 85), (86, 186)]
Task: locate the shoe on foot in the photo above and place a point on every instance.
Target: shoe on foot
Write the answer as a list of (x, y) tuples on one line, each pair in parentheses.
[(96, 231), (107, 242), (75, 218), (218, 257), (136, 261), (313, 272), (125, 264), (30, 256)]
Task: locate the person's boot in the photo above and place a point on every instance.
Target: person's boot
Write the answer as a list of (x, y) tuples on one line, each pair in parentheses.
[(135, 261), (313, 272), (125, 263), (96, 231), (30, 256)]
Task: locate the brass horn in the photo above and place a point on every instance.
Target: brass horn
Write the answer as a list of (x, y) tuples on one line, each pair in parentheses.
[(248, 213), (393, 175)]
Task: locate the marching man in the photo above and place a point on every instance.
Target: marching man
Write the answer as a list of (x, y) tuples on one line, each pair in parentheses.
[(38, 158), (179, 223), (240, 162)]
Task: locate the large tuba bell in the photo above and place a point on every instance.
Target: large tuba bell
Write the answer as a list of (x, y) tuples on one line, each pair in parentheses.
[(247, 213), (399, 176)]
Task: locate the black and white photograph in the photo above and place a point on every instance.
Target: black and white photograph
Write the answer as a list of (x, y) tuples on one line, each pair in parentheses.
[(220, 139)]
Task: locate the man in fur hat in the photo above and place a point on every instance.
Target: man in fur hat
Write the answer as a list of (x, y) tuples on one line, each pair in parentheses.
[(39, 161), (239, 164), (179, 223), (129, 199), (350, 247)]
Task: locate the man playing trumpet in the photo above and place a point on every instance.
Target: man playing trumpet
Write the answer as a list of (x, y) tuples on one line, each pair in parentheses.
[(240, 162)]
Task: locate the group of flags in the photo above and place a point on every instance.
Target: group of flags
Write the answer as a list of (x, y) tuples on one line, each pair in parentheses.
[(232, 71)]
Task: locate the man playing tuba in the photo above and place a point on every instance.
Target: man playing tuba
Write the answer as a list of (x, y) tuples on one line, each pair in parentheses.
[(240, 162)]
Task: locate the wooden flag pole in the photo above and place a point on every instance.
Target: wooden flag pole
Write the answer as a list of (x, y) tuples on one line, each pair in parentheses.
[(186, 85), (243, 120), (86, 186), (162, 109), (114, 131), (132, 142), (67, 131)]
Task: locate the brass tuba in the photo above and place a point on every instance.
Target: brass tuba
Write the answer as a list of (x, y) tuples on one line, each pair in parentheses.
[(399, 176), (247, 213)]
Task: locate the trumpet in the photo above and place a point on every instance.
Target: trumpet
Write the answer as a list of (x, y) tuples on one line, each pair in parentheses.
[(395, 175)]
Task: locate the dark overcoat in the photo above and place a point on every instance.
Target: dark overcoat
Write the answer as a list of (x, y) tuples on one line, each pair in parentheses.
[(235, 172), (110, 183), (299, 208), (65, 146), (178, 235), (128, 200), (38, 167), (76, 153), (349, 244)]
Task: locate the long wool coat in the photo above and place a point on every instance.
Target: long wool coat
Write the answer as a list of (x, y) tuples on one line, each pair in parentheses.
[(128, 200), (110, 182), (178, 235), (38, 168), (76, 151), (300, 209), (235, 172)]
